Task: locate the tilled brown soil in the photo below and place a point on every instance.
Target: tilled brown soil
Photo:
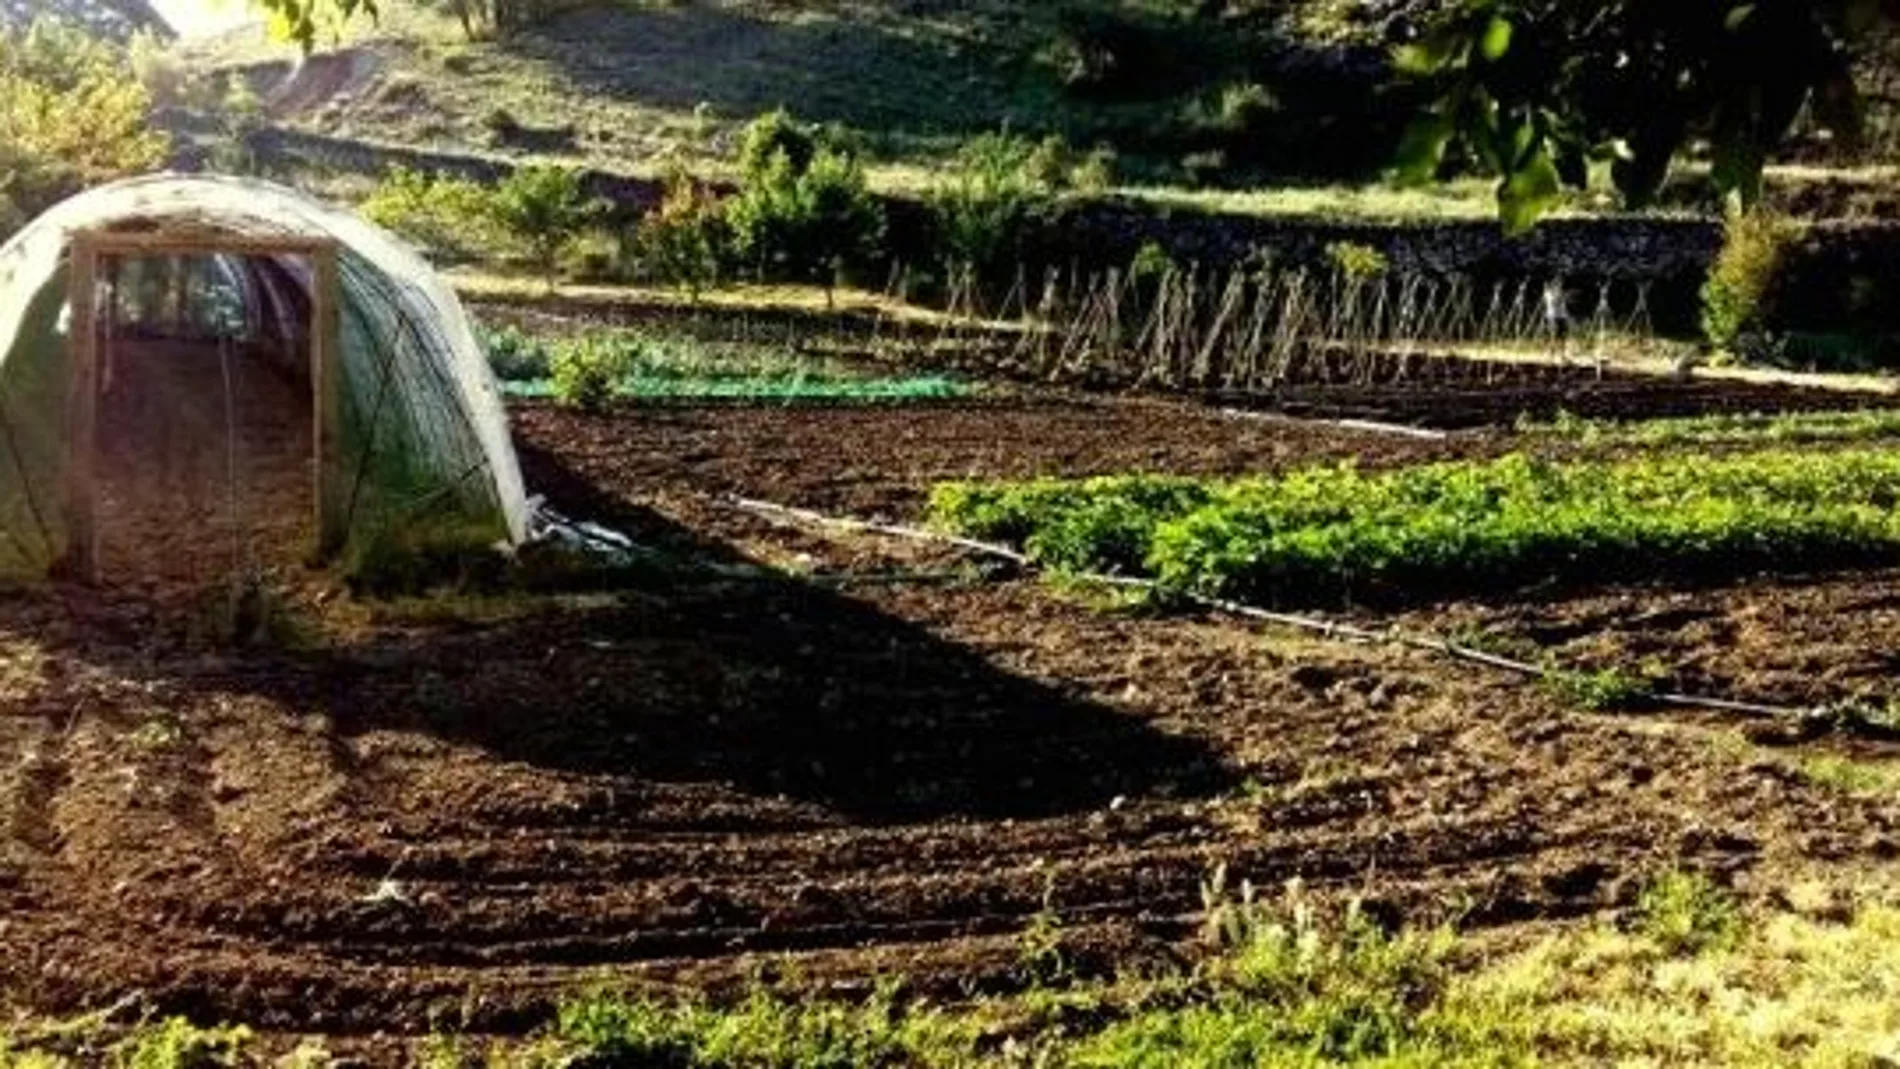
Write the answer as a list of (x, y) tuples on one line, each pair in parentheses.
[(454, 823)]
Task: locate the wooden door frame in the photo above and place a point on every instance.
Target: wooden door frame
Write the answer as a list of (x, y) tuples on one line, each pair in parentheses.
[(87, 248)]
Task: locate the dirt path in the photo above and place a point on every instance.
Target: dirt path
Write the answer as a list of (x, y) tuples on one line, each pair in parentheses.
[(461, 821)]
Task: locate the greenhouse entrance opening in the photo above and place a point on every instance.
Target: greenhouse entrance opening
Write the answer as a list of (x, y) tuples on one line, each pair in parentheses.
[(198, 365)]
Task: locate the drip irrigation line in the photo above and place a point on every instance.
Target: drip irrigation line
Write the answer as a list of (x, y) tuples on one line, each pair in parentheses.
[(1330, 628), (1367, 426)]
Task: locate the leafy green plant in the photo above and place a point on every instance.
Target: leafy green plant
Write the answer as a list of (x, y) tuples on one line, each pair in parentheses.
[(1436, 529), (1151, 262), (1734, 298), (1039, 953), (765, 1031), (587, 373), (1356, 262), (1686, 913), (544, 210), (176, 1043), (515, 355), (1603, 691), (1726, 428), (633, 1032)]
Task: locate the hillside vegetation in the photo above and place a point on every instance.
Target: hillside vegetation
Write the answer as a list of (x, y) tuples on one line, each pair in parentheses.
[(1182, 92)]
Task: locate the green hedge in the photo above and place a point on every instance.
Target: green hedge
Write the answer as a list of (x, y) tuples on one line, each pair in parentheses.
[(1326, 533)]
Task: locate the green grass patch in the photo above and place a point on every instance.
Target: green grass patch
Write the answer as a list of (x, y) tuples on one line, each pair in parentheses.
[(1326, 533), (1725, 428), (872, 391)]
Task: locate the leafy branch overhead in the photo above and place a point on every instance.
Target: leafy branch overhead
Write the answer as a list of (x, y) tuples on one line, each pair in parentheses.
[(1535, 91), (303, 21)]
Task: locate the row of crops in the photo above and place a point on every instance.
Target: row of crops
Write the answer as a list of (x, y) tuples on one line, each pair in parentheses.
[(1725, 428), (590, 369), (1325, 534)]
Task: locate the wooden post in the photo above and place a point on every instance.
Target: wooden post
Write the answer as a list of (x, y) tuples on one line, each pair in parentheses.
[(326, 328), (82, 413)]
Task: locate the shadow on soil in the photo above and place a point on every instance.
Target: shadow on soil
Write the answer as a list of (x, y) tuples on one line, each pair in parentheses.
[(773, 687)]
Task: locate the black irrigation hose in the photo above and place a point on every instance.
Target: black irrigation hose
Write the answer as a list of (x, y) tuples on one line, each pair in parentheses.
[(1329, 628)]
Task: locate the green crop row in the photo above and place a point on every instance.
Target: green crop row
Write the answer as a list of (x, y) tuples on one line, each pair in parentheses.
[(1326, 533), (591, 371), (789, 391), (1726, 428)]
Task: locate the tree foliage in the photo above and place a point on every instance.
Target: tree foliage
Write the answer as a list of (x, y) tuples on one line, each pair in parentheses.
[(303, 22), (1535, 90), (804, 210), (998, 189), (544, 210), (684, 242), (69, 118)]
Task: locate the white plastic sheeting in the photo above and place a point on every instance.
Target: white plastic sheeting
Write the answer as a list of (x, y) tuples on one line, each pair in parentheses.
[(422, 426)]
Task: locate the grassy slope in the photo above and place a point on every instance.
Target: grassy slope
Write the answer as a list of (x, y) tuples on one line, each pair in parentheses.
[(624, 86), (627, 86)]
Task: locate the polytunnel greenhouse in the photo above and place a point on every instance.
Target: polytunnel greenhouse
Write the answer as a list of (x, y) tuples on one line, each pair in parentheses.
[(198, 367)]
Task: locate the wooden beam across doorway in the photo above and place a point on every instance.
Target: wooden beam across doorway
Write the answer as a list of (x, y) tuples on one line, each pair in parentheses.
[(87, 249)]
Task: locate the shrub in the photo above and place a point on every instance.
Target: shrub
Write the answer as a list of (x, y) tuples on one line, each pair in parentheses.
[(1095, 172), (1151, 262), (1735, 296), (545, 211), (999, 187), (447, 217), (1686, 913), (687, 240), (587, 373), (69, 117), (809, 220), (772, 135), (176, 1043), (1356, 262), (515, 355)]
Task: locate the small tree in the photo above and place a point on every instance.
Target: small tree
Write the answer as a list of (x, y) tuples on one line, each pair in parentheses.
[(69, 117), (1736, 295), (810, 221), (544, 210), (1000, 186), (684, 242), (446, 217), (772, 135)]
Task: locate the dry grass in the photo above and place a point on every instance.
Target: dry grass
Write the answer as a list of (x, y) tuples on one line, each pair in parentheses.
[(1794, 990)]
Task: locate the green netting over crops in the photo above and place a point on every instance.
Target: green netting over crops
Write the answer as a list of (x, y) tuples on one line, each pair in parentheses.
[(421, 438)]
